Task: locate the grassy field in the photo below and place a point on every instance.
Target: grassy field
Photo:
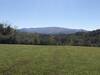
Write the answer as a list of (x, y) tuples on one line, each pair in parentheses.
[(49, 60)]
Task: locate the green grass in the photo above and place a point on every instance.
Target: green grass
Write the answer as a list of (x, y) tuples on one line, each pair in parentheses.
[(49, 60)]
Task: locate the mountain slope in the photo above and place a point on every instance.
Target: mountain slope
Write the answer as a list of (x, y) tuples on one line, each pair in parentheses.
[(51, 30)]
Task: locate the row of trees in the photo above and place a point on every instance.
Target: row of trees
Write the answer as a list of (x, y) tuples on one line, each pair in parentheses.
[(9, 35), (85, 38)]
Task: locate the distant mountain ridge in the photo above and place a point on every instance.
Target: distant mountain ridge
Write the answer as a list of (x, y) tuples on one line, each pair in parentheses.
[(51, 30)]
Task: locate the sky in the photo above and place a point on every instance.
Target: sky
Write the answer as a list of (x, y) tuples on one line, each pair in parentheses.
[(75, 14)]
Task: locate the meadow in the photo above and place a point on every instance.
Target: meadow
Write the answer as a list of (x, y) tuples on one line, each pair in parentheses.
[(49, 60)]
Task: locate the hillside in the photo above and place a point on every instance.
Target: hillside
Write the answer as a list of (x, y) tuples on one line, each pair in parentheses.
[(8, 35), (91, 38), (51, 30)]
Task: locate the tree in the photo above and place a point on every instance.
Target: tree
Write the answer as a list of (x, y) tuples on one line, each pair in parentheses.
[(6, 33)]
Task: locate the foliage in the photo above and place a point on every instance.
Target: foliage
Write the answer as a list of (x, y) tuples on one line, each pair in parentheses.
[(9, 35)]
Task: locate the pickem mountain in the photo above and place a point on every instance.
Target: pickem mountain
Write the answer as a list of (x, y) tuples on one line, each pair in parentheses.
[(51, 30)]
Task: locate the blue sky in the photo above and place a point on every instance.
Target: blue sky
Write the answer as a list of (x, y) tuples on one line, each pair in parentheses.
[(76, 14)]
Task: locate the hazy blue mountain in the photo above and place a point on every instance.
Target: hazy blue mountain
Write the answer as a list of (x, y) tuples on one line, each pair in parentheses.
[(51, 30)]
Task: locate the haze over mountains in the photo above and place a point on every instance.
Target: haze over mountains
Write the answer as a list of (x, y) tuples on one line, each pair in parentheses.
[(51, 30)]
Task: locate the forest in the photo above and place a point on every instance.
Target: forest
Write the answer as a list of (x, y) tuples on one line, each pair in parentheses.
[(10, 35)]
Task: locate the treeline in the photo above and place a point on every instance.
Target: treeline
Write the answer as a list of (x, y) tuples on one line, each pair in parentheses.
[(91, 38), (9, 35)]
